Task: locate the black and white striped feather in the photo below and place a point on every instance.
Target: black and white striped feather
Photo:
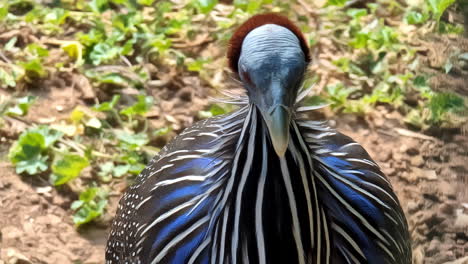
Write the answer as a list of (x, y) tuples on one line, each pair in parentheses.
[(218, 193)]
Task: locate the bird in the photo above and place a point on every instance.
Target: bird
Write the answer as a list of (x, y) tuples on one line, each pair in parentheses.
[(264, 183)]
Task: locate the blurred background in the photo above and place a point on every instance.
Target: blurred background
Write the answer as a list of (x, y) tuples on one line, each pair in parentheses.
[(91, 90)]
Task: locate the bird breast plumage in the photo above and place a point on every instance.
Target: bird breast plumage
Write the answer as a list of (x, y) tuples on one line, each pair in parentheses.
[(218, 193)]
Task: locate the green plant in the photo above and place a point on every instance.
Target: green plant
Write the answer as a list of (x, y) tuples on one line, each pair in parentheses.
[(30, 153), (21, 106), (89, 206)]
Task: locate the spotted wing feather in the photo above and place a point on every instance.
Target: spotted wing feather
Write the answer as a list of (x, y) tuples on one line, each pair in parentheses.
[(366, 222), (165, 216)]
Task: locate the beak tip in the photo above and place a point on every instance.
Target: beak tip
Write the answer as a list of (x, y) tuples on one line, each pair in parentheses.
[(280, 148), (278, 125)]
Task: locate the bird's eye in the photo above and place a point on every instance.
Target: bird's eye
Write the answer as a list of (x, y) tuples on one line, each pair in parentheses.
[(246, 77)]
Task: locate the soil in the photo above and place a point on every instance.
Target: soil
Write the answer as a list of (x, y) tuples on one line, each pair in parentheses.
[(430, 177)]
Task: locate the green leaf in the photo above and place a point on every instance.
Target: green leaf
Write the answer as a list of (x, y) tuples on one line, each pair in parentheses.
[(146, 2), (10, 45), (121, 170), (447, 28), (217, 110), (76, 204), (162, 131), (315, 100), (214, 110), (32, 143), (105, 173), (98, 6), (132, 141), (141, 107), (91, 204), (74, 49), (34, 68), (7, 78), (104, 52), (356, 12), (107, 106), (336, 2), (56, 16), (442, 103), (206, 6), (68, 168), (37, 50), (136, 169), (438, 7), (109, 78), (197, 65), (420, 81), (94, 36), (360, 40), (22, 106), (159, 42), (415, 18), (32, 166), (50, 135), (3, 10), (339, 94)]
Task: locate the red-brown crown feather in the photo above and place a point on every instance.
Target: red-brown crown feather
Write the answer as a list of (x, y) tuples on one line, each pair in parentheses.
[(235, 44)]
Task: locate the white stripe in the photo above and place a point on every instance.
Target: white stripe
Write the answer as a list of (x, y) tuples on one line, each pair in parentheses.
[(168, 214), (398, 246), (350, 208), (208, 134), (197, 252), (307, 191), (353, 258), (354, 186), (292, 204), (338, 154), (259, 204), (230, 183), (182, 157), (311, 137), (223, 235), (214, 246), (161, 169), (304, 93), (327, 237), (142, 202), (371, 184), (365, 161), (310, 108), (309, 161), (191, 177), (240, 190), (348, 145), (382, 246), (179, 238), (348, 238)]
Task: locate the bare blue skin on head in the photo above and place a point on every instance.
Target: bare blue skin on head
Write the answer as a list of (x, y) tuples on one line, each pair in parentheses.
[(271, 66)]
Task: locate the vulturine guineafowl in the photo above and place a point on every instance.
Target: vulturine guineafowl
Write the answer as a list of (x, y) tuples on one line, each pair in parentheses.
[(262, 184)]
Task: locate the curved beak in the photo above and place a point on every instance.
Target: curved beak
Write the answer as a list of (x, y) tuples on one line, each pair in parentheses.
[(278, 121)]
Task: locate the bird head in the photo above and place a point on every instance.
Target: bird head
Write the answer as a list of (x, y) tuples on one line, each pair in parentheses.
[(270, 56)]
